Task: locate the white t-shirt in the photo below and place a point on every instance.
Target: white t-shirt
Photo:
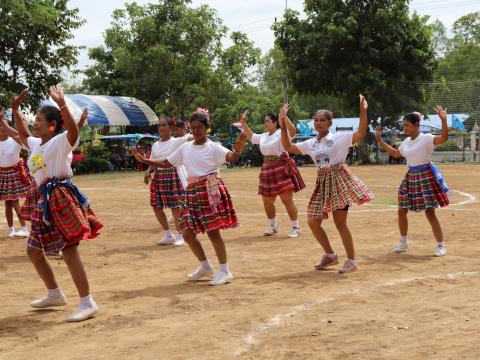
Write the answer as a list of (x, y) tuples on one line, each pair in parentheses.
[(9, 152), (199, 160), (162, 149), (418, 151), (52, 159), (269, 144), (330, 150)]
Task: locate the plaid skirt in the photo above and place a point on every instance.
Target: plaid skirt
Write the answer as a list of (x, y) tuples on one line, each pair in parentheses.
[(197, 213), (280, 176), (166, 190), (30, 202), (422, 187), (69, 222), (336, 189), (14, 183)]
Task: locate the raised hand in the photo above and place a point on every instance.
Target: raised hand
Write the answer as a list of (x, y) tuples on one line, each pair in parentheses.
[(441, 112), (363, 103), (243, 118), (83, 118), (56, 93), (378, 134), (17, 100)]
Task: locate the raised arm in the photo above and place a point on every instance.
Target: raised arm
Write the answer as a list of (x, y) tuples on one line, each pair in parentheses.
[(390, 150), (56, 93), (245, 129), (17, 115), (234, 155), (363, 125), (442, 113), (11, 132), (286, 142), (292, 130)]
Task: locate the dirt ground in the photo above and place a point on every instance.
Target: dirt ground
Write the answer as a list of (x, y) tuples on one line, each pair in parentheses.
[(398, 306)]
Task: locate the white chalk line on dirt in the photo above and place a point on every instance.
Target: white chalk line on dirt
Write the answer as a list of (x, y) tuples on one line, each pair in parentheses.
[(252, 338)]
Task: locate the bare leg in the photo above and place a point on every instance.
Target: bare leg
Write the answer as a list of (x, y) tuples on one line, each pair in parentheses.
[(9, 212), (403, 221), (340, 219), (71, 256), (287, 200), (162, 219), (176, 217), (16, 207), (435, 224), (269, 206), (218, 245), (322, 238), (43, 267), (195, 245)]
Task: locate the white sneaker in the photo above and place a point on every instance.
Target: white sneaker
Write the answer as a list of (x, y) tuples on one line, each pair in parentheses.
[(166, 240), (83, 314), (11, 232), (401, 247), (179, 241), (200, 273), (294, 232), (440, 251), (270, 230), (49, 302), (221, 278), (22, 233)]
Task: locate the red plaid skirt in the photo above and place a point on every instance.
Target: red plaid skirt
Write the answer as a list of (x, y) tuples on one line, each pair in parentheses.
[(30, 202), (336, 189), (166, 190), (198, 214), (280, 176), (69, 222), (420, 190), (14, 182)]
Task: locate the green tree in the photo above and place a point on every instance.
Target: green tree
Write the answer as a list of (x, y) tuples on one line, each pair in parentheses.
[(170, 55), (33, 46)]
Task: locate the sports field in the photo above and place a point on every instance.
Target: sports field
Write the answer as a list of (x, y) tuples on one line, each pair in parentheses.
[(398, 306)]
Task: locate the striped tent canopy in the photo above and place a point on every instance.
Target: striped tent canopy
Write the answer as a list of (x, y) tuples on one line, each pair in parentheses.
[(109, 110)]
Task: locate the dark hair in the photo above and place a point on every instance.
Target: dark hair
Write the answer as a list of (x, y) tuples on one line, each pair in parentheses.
[(413, 118), (180, 124), (52, 114), (274, 117), (200, 116), (327, 114), (168, 120)]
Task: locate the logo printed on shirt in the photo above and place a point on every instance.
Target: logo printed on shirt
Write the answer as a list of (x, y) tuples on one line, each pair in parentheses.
[(36, 163)]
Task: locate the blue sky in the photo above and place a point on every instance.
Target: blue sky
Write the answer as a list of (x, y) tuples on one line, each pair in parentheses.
[(251, 16)]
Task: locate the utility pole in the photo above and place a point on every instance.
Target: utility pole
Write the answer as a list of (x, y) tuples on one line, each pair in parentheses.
[(285, 84)]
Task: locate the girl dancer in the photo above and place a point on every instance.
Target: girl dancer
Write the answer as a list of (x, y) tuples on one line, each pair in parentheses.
[(62, 217), (337, 188), (207, 206), (14, 179), (166, 189), (279, 175), (423, 188)]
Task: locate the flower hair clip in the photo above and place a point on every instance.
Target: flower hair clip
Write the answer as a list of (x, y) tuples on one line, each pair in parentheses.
[(203, 111)]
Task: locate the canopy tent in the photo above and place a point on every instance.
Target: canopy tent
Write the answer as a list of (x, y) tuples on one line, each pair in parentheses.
[(128, 136), (109, 110)]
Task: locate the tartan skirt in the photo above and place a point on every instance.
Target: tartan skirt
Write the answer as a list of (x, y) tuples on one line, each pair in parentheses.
[(14, 183), (198, 215), (69, 222), (166, 190), (30, 202), (276, 179), (421, 188), (336, 189)]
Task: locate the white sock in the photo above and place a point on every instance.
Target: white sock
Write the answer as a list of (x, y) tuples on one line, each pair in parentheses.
[(404, 239), (332, 255), (206, 264), (224, 267), (24, 228), (55, 293), (441, 244), (295, 224), (11, 229), (179, 236), (272, 222), (86, 302), (168, 233)]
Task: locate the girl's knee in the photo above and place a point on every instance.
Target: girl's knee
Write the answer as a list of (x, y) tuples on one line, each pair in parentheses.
[(313, 223), (34, 253), (430, 214)]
